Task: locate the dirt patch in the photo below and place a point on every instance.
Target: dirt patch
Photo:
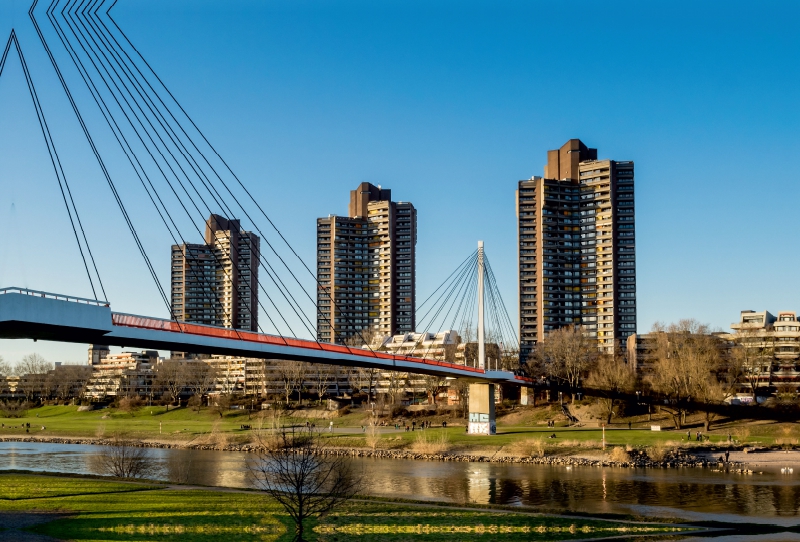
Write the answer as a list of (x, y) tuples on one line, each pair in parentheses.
[(14, 522)]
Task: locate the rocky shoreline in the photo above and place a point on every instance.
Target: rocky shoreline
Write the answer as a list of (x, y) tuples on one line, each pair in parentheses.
[(682, 461)]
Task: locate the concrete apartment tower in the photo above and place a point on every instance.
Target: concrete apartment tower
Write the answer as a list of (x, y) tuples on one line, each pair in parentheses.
[(576, 248), (216, 283), (366, 267)]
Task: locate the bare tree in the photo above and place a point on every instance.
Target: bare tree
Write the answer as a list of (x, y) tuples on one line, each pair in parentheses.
[(611, 375), (297, 472), (751, 354), (395, 386), (292, 375), (221, 404), (433, 385), (461, 388), (172, 376), (5, 368), (686, 360), (121, 457), (32, 370), (321, 376), (566, 354), (369, 377), (71, 380), (200, 378)]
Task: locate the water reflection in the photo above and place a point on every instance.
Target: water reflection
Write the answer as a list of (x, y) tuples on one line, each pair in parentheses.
[(695, 494)]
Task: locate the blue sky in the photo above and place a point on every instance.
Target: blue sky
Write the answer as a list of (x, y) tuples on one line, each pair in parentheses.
[(449, 104)]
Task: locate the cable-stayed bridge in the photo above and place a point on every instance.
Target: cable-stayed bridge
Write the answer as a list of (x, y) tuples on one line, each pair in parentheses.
[(185, 180)]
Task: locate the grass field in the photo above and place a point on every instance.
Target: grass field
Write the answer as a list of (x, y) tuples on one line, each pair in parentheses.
[(184, 425), (99, 510)]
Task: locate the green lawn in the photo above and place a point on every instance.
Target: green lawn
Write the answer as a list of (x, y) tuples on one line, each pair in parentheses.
[(141, 512), (185, 425), (145, 422)]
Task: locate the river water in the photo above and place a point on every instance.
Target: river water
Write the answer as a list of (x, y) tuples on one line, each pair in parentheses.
[(688, 493)]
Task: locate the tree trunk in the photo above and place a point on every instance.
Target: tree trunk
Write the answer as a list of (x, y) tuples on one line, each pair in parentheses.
[(676, 418)]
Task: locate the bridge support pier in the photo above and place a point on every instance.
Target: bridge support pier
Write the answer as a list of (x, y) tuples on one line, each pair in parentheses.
[(481, 410)]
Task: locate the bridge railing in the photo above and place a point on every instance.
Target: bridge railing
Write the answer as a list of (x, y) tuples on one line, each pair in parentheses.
[(160, 324), (48, 295)]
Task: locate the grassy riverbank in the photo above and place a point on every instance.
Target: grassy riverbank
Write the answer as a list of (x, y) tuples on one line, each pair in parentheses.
[(98, 510), (518, 432)]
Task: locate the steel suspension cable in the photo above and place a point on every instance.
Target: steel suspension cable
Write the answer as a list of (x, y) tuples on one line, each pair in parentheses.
[(230, 170), (68, 10), (54, 159)]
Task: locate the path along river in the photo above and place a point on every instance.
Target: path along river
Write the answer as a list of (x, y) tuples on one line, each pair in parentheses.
[(689, 493)]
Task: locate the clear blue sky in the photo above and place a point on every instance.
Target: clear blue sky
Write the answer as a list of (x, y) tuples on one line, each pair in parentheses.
[(449, 104)]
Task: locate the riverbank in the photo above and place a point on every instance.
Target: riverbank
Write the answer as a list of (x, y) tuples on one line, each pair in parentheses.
[(89, 508), (159, 427), (739, 460)]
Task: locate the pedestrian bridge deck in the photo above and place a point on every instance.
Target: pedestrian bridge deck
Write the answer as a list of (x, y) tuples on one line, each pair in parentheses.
[(29, 314)]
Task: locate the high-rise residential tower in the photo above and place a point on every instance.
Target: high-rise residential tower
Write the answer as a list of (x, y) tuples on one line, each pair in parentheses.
[(366, 267), (216, 283), (576, 248)]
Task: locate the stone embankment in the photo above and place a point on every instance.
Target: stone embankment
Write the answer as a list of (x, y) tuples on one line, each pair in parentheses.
[(554, 460)]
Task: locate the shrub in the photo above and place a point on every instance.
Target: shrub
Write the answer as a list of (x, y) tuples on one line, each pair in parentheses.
[(657, 452), (425, 444), (618, 454), (195, 402), (398, 411), (373, 436), (121, 457), (742, 433), (130, 403), (532, 447)]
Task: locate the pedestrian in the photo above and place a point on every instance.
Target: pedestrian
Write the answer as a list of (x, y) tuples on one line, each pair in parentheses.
[(727, 455), (688, 435), (330, 427), (697, 435), (629, 425), (730, 439)]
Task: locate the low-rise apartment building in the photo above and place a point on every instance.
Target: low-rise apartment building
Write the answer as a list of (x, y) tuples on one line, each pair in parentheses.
[(773, 351)]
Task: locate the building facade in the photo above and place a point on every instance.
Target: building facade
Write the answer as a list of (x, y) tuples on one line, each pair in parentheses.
[(576, 248), (216, 283), (774, 344), (366, 267)]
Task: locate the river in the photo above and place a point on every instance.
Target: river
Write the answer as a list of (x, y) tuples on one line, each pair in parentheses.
[(687, 493)]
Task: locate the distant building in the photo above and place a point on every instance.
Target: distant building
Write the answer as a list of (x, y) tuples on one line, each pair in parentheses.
[(216, 283), (366, 267), (774, 342), (125, 374), (576, 248), (97, 353)]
